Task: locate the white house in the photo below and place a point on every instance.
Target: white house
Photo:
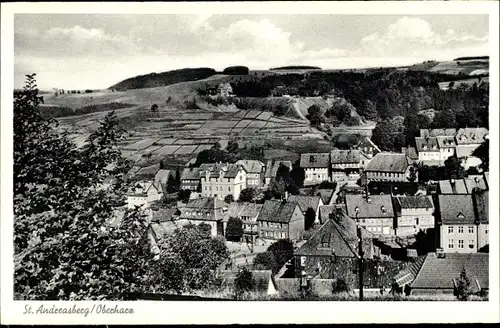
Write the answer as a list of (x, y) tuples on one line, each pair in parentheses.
[(221, 180), (316, 167), (143, 193)]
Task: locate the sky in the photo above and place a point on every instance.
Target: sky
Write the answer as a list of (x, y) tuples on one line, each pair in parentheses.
[(75, 51)]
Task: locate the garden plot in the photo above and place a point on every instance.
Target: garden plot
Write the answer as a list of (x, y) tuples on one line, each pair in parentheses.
[(185, 150), (236, 130), (166, 141), (253, 113), (200, 148), (167, 150), (219, 124), (184, 142), (142, 144), (240, 114), (192, 126), (292, 129), (265, 116), (243, 123), (197, 116), (257, 124), (202, 141), (151, 149)]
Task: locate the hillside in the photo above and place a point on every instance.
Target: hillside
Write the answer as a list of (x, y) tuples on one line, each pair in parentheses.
[(153, 80)]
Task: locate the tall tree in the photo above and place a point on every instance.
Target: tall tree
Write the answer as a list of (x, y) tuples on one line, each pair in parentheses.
[(310, 217), (463, 287), (453, 168), (64, 247), (483, 153)]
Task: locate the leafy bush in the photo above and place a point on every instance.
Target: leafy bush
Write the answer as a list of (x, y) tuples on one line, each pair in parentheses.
[(234, 229), (243, 283)]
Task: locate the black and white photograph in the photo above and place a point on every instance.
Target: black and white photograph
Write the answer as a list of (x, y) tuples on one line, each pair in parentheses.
[(249, 157)]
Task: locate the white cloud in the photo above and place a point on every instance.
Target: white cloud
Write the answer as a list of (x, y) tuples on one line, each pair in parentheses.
[(415, 37)]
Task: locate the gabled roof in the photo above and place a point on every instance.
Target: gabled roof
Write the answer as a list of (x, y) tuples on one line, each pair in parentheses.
[(409, 274), (338, 156), (367, 142), (437, 132), (190, 173), (315, 160), (325, 194), (454, 186), (239, 209), (411, 152), (371, 207), (440, 273), (426, 144), (215, 169), (141, 188), (337, 236), (389, 162), (446, 142), (466, 136), (326, 210), (476, 181), (204, 208), (415, 201), (232, 170), (162, 176), (224, 85), (164, 214), (481, 204), (305, 201), (277, 211), (251, 166), (456, 209)]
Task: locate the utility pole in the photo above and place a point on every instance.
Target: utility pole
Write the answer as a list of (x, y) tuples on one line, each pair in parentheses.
[(360, 254)]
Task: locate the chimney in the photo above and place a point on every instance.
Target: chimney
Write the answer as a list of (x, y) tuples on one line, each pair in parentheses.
[(368, 199), (286, 195), (440, 254)]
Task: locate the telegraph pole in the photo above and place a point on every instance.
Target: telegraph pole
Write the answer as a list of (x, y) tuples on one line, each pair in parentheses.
[(360, 254)]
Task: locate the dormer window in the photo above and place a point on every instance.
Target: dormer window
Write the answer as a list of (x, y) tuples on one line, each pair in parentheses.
[(311, 159), (460, 216), (382, 208), (325, 241)]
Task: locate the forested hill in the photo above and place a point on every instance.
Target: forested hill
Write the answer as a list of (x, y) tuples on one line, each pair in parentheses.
[(161, 79)]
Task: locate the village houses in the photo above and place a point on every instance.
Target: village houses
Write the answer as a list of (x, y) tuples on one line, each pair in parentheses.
[(367, 146), (143, 193), (413, 213), (280, 220), (271, 169), (190, 178), (255, 172), (221, 180), (374, 212), (347, 163), (305, 202), (247, 213), (316, 167), (390, 167)]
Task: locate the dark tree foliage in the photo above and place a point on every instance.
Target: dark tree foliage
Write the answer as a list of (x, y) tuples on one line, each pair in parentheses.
[(184, 195), (264, 261), (244, 282), (282, 251), (298, 176), (453, 168), (64, 247), (483, 153), (309, 218), (247, 194), (172, 185), (213, 155), (463, 288), (234, 229), (316, 115), (229, 199), (154, 108), (236, 70), (232, 147)]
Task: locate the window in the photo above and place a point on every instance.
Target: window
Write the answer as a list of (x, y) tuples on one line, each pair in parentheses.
[(471, 244), (450, 243), (460, 229), (325, 241), (450, 229), (460, 243), (471, 229), (486, 231), (228, 188)]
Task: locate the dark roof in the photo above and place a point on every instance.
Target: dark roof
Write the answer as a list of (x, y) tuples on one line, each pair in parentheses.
[(239, 209), (204, 208), (481, 204), (407, 275), (370, 207), (165, 214), (277, 211), (229, 170), (454, 186), (456, 209), (440, 272), (326, 210), (415, 201), (426, 144), (315, 160), (190, 173), (232, 170), (437, 132), (305, 201), (338, 156), (473, 182), (389, 162), (341, 236), (446, 142), (325, 194), (471, 135)]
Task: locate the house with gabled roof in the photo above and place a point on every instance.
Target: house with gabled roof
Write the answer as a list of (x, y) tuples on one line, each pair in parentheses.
[(191, 178), (438, 273), (413, 213), (367, 146), (460, 223), (316, 167), (143, 193), (428, 150), (221, 180), (224, 90), (347, 163), (447, 147), (306, 202), (462, 186), (280, 220), (437, 132), (247, 213), (255, 172), (208, 210), (386, 166), (375, 212), (326, 195)]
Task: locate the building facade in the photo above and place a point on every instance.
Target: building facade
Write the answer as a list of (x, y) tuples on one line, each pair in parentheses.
[(143, 193), (413, 213), (316, 167), (255, 171), (207, 210), (221, 180), (375, 213), (347, 163), (280, 220), (390, 167)]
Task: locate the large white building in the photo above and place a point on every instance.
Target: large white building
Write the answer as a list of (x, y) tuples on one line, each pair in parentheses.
[(316, 167), (413, 213), (221, 180), (255, 172)]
